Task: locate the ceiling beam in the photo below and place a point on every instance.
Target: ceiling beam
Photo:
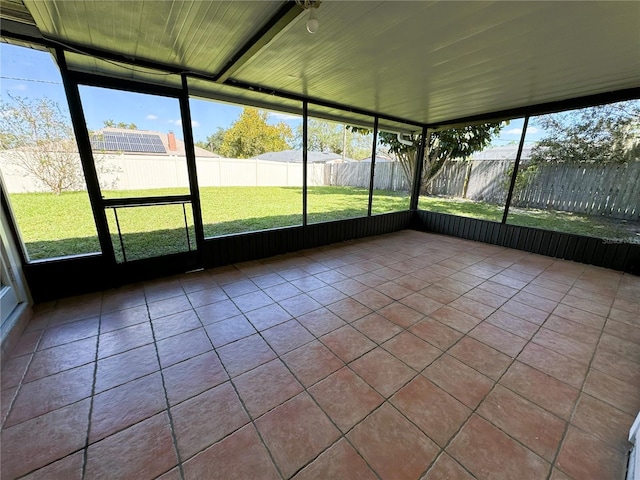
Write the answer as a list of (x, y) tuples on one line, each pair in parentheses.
[(16, 11), (19, 30), (288, 12)]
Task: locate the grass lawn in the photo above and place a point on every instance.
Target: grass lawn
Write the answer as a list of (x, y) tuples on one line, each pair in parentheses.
[(50, 230), (53, 226), (567, 222)]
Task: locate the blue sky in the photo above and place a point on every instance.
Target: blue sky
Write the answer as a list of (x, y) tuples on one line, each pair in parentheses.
[(30, 73)]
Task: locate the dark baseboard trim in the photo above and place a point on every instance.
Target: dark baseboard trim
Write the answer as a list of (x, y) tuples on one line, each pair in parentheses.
[(593, 251), (79, 275), (256, 245)]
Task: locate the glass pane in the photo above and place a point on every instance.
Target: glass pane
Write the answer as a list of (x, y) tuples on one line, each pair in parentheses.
[(467, 170), (39, 158), (136, 142), (249, 168), (394, 170), (338, 170), (582, 174), (151, 231)]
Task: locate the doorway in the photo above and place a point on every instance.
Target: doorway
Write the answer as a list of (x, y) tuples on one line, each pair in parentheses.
[(141, 162)]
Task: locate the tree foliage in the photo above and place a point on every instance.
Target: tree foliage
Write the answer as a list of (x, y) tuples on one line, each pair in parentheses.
[(111, 124), (329, 137), (605, 133), (213, 142), (251, 135), (441, 146), (39, 140), (42, 142)]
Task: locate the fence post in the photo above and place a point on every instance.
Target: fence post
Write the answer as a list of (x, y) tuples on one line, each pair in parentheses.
[(392, 187), (465, 185)]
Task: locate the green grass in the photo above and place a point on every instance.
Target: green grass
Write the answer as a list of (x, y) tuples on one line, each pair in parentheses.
[(53, 226), (227, 210), (566, 222)]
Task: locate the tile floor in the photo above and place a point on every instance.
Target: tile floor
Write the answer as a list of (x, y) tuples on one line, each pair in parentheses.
[(401, 356)]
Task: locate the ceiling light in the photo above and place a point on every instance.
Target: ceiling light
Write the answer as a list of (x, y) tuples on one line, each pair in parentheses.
[(312, 22)]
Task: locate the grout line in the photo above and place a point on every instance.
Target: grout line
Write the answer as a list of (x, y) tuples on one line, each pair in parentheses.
[(246, 410), (584, 381), (305, 390), (85, 455), (495, 383), (20, 382), (19, 387), (385, 399), (166, 398)]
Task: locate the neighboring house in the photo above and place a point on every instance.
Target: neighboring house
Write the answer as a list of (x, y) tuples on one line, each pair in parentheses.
[(380, 158), (125, 159), (508, 152), (142, 142), (295, 156)]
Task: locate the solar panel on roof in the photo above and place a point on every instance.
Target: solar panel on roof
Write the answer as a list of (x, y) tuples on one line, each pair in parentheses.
[(128, 142)]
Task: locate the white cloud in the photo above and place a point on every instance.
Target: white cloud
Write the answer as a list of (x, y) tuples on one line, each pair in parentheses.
[(283, 116), (518, 131), (151, 117), (20, 86), (178, 123)]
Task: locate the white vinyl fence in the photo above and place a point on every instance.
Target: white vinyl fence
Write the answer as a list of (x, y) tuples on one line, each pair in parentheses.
[(138, 172)]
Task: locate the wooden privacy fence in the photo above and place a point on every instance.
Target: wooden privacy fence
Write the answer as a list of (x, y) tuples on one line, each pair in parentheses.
[(610, 190), (388, 175), (481, 180)]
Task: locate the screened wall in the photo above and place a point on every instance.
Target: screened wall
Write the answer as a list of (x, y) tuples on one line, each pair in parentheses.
[(578, 172), (228, 174)]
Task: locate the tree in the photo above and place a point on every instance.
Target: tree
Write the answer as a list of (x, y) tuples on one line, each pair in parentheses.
[(441, 146), (111, 124), (39, 140), (605, 133), (329, 137), (251, 135), (214, 141)]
